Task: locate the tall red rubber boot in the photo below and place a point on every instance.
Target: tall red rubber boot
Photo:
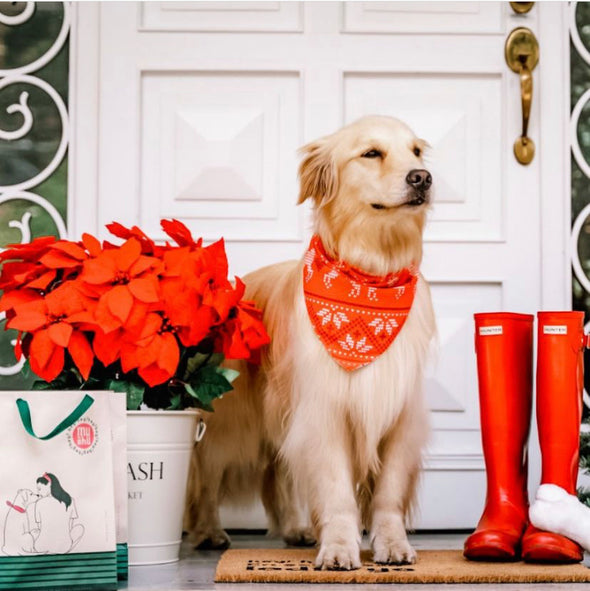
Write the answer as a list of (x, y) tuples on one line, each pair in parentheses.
[(560, 383), (504, 349)]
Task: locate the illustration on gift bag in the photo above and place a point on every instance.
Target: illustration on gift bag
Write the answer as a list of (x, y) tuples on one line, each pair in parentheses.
[(45, 522), (18, 539)]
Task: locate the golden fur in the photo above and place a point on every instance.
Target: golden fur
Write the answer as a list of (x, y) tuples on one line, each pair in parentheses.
[(333, 449)]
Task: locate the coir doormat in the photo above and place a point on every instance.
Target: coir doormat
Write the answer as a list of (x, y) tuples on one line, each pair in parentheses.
[(433, 566)]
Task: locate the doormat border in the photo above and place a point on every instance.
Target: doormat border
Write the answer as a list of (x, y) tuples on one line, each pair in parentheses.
[(289, 565)]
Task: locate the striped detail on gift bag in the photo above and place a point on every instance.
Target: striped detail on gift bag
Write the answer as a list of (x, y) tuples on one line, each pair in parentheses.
[(95, 571), (122, 562)]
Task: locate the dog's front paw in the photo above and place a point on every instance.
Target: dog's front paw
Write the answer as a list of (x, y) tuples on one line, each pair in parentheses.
[(393, 552), (210, 540), (300, 537), (339, 556)]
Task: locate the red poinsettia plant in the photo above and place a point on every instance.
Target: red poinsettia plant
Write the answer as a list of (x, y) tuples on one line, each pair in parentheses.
[(155, 321)]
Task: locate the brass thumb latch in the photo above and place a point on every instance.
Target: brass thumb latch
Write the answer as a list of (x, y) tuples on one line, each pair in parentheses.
[(522, 55)]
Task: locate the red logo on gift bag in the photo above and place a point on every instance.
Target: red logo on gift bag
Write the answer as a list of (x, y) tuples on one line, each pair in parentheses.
[(83, 435)]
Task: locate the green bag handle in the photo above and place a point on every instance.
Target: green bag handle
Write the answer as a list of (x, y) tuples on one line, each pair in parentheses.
[(25, 417)]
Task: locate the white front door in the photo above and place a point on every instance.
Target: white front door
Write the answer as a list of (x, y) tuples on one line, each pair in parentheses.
[(202, 106)]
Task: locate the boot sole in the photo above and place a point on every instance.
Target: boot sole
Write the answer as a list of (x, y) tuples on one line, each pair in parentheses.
[(491, 554), (550, 554)]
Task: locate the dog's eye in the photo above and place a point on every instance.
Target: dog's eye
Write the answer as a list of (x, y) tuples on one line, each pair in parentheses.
[(373, 154), (417, 151)]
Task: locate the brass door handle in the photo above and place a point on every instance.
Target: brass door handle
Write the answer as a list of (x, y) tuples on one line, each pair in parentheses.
[(526, 93), (522, 55)]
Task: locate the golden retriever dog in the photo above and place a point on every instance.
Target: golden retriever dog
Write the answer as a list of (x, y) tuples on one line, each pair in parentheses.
[(332, 451)]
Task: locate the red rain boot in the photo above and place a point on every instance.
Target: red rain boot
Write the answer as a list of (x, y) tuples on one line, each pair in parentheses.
[(560, 383), (504, 348)]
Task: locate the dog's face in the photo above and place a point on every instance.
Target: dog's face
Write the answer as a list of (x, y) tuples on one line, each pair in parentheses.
[(370, 188), (25, 497)]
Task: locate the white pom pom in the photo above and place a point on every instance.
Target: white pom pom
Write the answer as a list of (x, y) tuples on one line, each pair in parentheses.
[(551, 492), (556, 511)]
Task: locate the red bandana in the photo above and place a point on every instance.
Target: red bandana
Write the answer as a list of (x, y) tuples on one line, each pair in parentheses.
[(355, 315)]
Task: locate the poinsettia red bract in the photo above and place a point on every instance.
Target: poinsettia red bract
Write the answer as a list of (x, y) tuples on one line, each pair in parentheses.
[(139, 311)]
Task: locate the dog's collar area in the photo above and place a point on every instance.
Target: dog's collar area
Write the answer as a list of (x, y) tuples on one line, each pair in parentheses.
[(339, 296), (15, 507)]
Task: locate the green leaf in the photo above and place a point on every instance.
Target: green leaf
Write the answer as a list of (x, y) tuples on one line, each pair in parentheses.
[(26, 370), (175, 402), (190, 390), (200, 360), (207, 385), (134, 392), (216, 359), (229, 374), (134, 396), (116, 385), (60, 383), (194, 363), (196, 399)]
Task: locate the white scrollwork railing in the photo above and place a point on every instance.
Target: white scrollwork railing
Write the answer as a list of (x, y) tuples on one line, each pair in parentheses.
[(23, 226), (38, 200), (21, 190), (63, 143), (21, 107), (582, 217), (18, 19), (50, 53)]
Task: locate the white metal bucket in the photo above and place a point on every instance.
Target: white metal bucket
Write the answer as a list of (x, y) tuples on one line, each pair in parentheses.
[(159, 446)]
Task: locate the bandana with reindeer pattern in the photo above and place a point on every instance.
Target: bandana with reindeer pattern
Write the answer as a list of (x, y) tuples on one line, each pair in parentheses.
[(355, 315)]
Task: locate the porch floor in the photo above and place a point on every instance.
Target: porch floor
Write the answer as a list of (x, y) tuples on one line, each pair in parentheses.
[(196, 569)]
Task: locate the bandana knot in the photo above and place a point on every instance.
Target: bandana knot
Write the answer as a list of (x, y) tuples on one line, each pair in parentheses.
[(355, 315)]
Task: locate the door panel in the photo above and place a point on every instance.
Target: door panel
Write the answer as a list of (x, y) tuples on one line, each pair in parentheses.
[(221, 16), (220, 148), (423, 17)]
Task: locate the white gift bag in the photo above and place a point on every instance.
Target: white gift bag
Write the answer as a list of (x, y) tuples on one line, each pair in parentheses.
[(57, 524), (118, 406)]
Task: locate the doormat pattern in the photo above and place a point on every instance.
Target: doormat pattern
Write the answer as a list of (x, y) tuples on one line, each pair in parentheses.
[(433, 566)]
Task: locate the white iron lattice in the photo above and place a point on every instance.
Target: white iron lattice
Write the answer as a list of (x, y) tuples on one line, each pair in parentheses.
[(581, 161), (24, 74)]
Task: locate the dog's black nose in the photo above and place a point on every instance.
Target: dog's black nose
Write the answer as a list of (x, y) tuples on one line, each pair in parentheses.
[(419, 179)]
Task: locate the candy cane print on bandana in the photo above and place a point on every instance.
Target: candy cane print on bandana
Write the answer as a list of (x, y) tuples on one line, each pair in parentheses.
[(355, 315)]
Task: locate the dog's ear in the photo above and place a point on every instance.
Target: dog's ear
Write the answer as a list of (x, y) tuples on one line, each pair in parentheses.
[(318, 173)]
